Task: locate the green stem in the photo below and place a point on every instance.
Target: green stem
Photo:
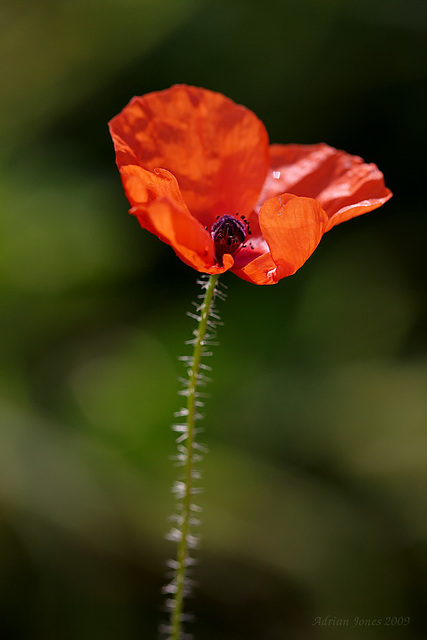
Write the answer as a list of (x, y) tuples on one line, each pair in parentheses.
[(187, 486)]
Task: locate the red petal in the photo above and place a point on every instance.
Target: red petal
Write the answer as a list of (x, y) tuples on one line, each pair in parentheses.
[(143, 187), (188, 238), (217, 150), (344, 185), (160, 208), (292, 227), (261, 270)]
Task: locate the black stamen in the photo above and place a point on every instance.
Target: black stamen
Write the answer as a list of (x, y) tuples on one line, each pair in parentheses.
[(228, 234)]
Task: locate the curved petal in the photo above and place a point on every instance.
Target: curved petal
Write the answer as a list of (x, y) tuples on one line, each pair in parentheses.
[(292, 227), (188, 238), (160, 208), (344, 185), (359, 193), (216, 149), (261, 270), (143, 187)]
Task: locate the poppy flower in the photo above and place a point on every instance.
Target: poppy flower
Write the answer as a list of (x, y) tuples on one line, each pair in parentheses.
[(199, 173)]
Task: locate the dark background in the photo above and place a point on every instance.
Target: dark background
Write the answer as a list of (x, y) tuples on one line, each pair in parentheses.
[(315, 501)]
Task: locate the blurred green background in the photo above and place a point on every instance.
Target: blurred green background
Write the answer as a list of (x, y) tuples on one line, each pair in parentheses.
[(316, 480)]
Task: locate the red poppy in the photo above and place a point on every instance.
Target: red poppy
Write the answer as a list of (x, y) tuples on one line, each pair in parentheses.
[(199, 173)]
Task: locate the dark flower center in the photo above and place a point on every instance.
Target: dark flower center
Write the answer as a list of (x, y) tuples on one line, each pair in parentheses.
[(228, 234)]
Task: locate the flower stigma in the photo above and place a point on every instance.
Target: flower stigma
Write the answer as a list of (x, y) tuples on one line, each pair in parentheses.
[(229, 234)]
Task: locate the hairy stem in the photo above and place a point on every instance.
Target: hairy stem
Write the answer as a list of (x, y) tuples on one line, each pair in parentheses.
[(188, 456)]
